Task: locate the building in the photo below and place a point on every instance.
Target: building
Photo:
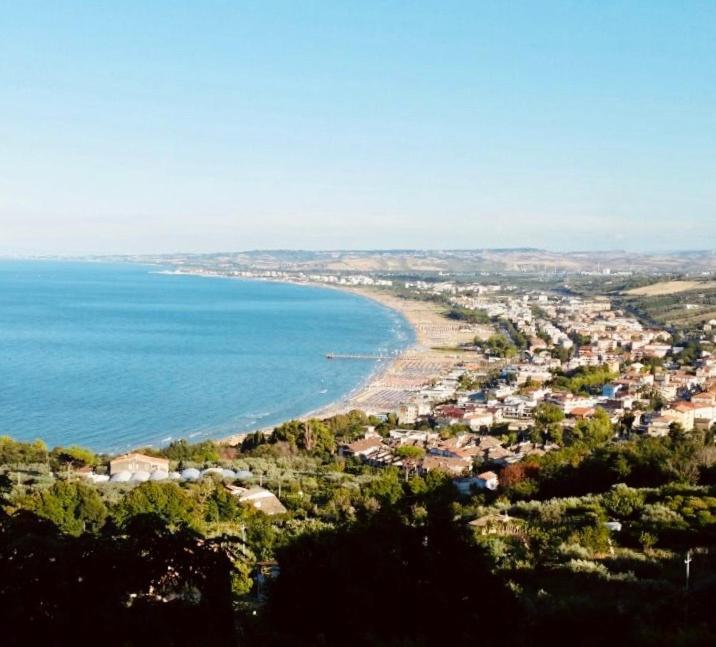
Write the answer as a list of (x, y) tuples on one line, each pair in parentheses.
[(497, 524), (487, 481), (448, 464), (361, 448), (135, 462), (258, 497)]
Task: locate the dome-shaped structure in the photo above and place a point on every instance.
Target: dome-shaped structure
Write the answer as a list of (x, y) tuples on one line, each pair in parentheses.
[(121, 477), (140, 476), (190, 474), (174, 476), (243, 475), (100, 478), (228, 474), (211, 470), (159, 475)]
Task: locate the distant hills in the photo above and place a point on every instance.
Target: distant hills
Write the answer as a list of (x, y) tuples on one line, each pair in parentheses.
[(412, 261)]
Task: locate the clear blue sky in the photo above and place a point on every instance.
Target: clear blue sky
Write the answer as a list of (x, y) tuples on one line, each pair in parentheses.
[(199, 126)]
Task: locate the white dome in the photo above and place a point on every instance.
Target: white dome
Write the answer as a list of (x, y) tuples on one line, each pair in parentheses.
[(243, 475), (159, 475), (211, 470), (121, 477), (140, 476), (174, 476), (100, 478), (228, 474), (190, 474)]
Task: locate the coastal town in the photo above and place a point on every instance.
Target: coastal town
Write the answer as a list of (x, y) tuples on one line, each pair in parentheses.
[(499, 374), (571, 355)]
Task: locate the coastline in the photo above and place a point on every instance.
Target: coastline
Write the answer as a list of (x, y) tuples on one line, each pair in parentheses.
[(432, 355)]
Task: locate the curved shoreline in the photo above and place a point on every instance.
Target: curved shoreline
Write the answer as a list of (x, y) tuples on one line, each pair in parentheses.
[(346, 402), (430, 356)]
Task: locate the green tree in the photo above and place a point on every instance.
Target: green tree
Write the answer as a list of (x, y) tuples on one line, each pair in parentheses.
[(73, 456), (623, 502), (73, 507), (182, 451), (548, 419), (167, 501), (410, 452), (595, 431)]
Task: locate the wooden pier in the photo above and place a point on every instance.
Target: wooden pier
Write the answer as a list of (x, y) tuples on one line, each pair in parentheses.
[(355, 356)]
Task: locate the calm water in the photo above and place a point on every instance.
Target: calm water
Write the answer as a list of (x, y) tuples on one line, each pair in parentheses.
[(116, 356)]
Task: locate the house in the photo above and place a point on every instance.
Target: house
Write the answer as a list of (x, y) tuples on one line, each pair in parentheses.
[(497, 524), (659, 426), (449, 464), (480, 418), (134, 462), (361, 448), (704, 409), (681, 412), (498, 455), (582, 413), (449, 415), (656, 350), (408, 413), (260, 498), (487, 481)]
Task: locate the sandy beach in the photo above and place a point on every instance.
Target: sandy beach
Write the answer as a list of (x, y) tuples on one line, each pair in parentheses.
[(435, 353)]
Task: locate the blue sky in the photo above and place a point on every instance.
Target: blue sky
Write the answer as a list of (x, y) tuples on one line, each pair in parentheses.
[(205, 126)]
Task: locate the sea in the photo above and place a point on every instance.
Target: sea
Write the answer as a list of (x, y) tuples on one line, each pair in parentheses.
[(118, 356)]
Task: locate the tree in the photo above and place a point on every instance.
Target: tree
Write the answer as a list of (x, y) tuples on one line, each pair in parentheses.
[(647, 540), (13, 452), (182, 451), (498, 345), (623, 502), (73, 507), (167, 501), (469, 316), (72, 456), (548, 418), (410, 451), (547, 413), (316, 438), (595, 431)]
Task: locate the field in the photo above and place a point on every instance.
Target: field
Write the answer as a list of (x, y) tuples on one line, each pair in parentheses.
[(671, 287), (672, 304)]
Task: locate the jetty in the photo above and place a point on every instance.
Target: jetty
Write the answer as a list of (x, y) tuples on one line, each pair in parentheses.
[(355, 356)]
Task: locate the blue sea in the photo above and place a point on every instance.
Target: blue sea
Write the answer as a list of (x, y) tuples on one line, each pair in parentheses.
[(115, 356)]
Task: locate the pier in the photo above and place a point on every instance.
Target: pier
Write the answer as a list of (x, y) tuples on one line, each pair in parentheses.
[(355, 356)]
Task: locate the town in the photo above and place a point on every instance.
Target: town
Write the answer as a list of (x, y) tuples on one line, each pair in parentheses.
[(540, 366)]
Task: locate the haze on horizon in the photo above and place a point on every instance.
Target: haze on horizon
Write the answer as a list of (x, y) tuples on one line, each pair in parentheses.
[(176, 126)]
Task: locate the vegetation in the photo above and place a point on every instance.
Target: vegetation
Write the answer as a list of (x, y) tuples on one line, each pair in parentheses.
[(588, 538), (468, 315), (584, 380), (497, 345)]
